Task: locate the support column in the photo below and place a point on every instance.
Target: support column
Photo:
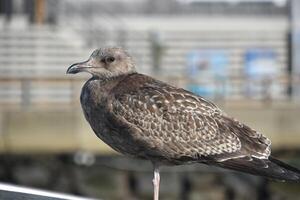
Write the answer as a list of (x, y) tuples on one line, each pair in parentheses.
[(295, 45)]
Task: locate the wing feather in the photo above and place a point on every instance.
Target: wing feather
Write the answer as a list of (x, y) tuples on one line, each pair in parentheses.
[(181, 126)]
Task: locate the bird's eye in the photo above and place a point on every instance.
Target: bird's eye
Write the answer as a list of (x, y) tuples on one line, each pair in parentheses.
[(110, 59)]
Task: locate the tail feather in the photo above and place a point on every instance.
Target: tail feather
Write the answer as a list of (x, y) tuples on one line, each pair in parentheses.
[(271, 168)]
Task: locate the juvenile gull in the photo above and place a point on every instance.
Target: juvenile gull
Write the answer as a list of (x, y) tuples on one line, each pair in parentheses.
[(140, 116)]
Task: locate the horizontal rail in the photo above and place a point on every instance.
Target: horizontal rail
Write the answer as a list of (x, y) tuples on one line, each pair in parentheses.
[(27, 92)]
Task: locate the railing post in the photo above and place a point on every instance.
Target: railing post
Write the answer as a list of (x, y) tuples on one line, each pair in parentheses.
[(25, 93)]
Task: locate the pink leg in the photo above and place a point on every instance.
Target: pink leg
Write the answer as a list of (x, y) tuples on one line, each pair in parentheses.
[(156, 181)]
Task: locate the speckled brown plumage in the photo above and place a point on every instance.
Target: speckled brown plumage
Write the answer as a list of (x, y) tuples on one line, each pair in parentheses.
[(178, 126), (143, 117)]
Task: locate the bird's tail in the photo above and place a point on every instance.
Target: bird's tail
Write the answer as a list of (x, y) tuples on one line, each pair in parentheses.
[(271, 168)]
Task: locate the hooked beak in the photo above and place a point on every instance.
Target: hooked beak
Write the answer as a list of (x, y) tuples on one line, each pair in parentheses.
[(80, 67)]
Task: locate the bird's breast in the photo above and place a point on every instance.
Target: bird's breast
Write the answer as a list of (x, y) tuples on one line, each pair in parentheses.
[(96, 107)]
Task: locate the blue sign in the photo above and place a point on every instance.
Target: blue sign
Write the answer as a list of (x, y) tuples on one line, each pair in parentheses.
[(213, 62), (261, 67), (261, 63), (209, 66)]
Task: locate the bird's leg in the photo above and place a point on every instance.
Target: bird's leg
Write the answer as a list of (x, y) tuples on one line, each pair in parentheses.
[(156, 180)]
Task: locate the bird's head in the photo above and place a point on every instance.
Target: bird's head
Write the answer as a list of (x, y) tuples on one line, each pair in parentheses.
[(105, 63)]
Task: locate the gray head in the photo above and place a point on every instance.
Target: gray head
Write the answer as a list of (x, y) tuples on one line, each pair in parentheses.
[(105, 63)]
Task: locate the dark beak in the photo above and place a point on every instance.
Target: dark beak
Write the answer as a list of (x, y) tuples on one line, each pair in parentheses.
[(78, 67)]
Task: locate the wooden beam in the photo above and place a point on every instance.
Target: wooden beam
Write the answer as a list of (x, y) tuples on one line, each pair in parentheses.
[(39, 10)]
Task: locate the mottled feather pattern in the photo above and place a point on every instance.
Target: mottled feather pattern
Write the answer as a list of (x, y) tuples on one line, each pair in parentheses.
[(180, 124)]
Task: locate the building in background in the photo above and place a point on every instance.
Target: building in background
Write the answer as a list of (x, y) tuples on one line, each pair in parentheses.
[(182, 27)]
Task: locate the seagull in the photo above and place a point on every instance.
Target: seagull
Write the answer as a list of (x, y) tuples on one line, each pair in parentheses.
[(140, 116)]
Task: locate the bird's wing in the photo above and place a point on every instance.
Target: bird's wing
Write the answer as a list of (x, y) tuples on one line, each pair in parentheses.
[(184, 127)]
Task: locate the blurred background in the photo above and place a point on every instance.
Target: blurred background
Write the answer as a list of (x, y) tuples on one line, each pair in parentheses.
[(242, 54)]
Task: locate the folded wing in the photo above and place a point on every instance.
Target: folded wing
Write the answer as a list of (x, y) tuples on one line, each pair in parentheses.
[(182, 127)]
